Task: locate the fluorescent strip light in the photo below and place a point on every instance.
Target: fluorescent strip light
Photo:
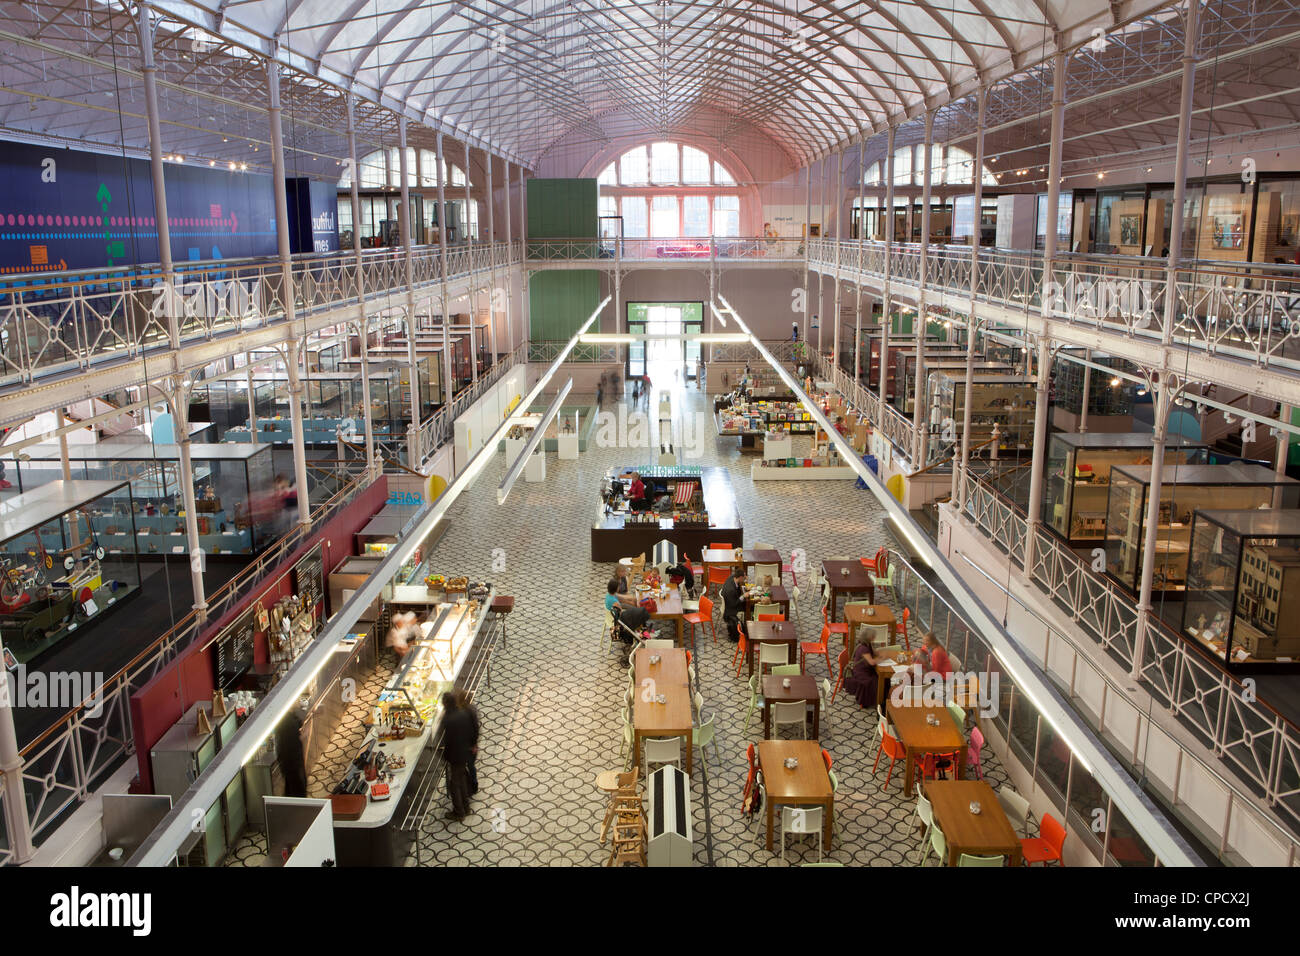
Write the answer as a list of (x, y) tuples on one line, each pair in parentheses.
[(518, 465), (718, 315)]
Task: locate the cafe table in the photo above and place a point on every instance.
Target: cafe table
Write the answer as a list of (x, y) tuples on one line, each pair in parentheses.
[(802, 689), (668, 608), (671, 718), (765, 632), (856, 615), (806, 785), (887, 665), (987, 833), (719, 556), (857, 581), (920, 738), (775, 595)]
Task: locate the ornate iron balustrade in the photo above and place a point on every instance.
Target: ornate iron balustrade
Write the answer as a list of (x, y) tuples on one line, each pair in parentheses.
[(439, 428)]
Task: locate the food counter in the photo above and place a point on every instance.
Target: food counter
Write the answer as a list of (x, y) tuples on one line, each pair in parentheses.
[(619, 533)]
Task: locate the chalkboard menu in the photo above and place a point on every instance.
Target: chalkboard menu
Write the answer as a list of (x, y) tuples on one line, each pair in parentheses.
[(309, 578), (234, 649)]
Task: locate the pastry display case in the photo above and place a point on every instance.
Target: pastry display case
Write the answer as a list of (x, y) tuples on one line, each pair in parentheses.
[(1184, 489), (58, 572), (1078, 477), (1243, 588)]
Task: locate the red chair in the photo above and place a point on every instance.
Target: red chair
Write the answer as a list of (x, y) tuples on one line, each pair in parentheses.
[(892, 749), (717, 575), (835, 627), (787, 567), (900, 628), (724, 546), (877, 567), (814, 648), (826, 755), (844, 662), (935, 766), (1046, 847), (738, 658), (701, 617), (771, 617)]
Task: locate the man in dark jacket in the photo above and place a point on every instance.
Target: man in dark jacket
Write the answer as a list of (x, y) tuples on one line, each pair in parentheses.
[(458, 741), (733, 603)]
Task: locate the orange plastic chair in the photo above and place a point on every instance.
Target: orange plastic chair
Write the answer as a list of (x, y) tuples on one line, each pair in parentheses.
[(1046, 847), (892, 749), (879, 565), (814, 648), (835, 627), (826, 755), (701, 617), (738, 658), (935, 764), (900, 627), (715, 546), (771, 617), (718, 576), (844, 662)]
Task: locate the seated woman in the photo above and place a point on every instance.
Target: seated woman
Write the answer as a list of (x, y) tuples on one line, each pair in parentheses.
[(939, 663), (862, 680), (625, 610)]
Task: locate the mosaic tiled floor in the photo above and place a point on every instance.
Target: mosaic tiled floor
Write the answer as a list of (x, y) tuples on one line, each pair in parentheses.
[(550, 714), (550, 717)]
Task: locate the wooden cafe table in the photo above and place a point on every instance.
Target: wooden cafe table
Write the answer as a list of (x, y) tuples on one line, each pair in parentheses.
[(806, 785), (668, 608), (987, 833), (856, 615), (802, 690), (754, 556), (776, 595), (719, 556), (765, 632), (857, 581), (671, 718), (920, 738)]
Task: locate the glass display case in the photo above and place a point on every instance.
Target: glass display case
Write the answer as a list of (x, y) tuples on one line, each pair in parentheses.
[(1006, 401), (410, 700), (58, 571), (394, 366), (233, 491), (937, 358), (1108, 396), (1183, 490), (1243, 588), (1078, 477)]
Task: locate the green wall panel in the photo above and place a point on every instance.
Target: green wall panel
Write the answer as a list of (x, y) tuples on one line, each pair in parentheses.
[(562, 208), (559, 302)]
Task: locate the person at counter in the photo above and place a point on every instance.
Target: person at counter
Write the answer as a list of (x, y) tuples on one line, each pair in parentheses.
[(733, 604), (289, 754), (459, 738), (464, 703), (636, 497), (405, 628)]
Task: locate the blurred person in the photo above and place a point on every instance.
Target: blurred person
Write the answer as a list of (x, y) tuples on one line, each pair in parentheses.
[(464, 702), (459, 737)]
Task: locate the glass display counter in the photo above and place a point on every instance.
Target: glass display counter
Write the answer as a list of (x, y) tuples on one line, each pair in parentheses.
[(1078, 477), (1184, 489), (59, 572), (1243, 588), (233, 491), (395, 362), (1007, 401), (1104, 399), (937, 358)]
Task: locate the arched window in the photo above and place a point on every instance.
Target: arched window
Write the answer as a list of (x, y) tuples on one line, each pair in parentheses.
[(667, 189), (950, 166), (382, 169)]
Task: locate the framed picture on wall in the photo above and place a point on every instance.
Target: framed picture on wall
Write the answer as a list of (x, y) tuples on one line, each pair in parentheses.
[(1229, 232), (1130, 230)]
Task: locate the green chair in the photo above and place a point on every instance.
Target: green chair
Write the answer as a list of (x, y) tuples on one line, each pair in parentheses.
[(785, 670), (939, 844), (704, 735), (755, 701), (967, 859), (958, 715)]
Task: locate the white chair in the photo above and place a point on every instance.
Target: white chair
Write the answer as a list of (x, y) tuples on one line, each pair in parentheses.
[(699, 705), (772, 654), (792, 713), (607, 635), (878, 634), (802, 820), (925, 813), (660, 644), (627, 732), (794, 601), (1016, 808), (761, 571), (766, 609), (706, 733), (824, 688), (661, 751), (938, 843)]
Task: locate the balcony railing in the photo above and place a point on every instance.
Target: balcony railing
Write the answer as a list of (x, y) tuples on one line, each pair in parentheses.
[(72, 321), (783, 251), (436, 430), (1245, 310), (1259, 744)]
